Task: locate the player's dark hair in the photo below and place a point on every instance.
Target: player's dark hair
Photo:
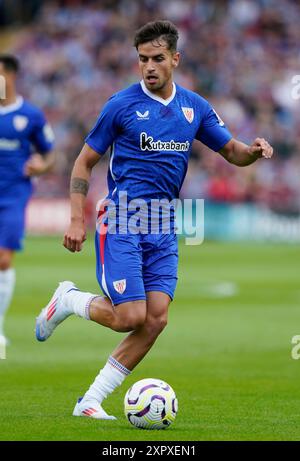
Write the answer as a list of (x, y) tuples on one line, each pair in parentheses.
[(10, 63), (155, 30)]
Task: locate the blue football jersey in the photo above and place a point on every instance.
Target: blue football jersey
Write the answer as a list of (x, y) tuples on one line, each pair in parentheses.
[(151, 139), (23, 130)]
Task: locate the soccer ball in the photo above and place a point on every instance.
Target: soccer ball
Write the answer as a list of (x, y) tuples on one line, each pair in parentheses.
[(150, 404)]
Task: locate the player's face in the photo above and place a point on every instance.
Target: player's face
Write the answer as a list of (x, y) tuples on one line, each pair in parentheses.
[(157, 63)]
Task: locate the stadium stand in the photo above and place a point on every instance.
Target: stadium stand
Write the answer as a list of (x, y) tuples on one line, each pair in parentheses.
[(240, 55)]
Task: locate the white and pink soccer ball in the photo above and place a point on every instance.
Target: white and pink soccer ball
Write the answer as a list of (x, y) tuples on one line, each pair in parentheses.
[(150, 404)]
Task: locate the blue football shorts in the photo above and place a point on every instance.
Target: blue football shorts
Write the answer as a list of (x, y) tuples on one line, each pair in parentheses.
[(12, 225), (129, 265)]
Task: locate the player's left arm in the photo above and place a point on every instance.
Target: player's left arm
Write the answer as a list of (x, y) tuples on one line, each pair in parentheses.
[(214, 134), (241, 154)]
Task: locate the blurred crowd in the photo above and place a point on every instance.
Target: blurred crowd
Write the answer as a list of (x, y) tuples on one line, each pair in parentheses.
[(239, 54)]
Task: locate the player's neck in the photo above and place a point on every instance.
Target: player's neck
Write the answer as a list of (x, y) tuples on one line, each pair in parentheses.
[(165, 92), (10, 98)]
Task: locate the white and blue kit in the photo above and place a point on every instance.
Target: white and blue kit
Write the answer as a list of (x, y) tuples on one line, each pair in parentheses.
[(150, 140), (23, 130)]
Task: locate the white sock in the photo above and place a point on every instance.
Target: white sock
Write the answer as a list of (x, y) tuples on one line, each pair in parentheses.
[(110, 377), (7, 285), (78, 302)]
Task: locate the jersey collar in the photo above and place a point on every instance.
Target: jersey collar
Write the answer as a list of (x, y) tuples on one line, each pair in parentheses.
[(12, 107), (165, 102)]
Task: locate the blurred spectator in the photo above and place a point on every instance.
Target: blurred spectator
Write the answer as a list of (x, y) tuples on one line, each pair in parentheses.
[(239, 54)]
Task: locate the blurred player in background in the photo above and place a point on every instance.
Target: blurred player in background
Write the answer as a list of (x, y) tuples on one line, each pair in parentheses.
[(150, 126), (25, 144)]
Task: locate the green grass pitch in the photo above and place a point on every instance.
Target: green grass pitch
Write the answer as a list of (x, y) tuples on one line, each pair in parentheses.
[(226, 350)]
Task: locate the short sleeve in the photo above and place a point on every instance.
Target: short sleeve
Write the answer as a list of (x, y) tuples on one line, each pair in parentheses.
[(42, 136), (106, 128), (212, 131)]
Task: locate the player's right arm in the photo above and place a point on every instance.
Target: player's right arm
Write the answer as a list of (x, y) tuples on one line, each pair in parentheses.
[(79, 186)]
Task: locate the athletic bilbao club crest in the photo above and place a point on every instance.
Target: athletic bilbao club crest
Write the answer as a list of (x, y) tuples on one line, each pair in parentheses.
[(188, 113), (120, 286), (20, 122)]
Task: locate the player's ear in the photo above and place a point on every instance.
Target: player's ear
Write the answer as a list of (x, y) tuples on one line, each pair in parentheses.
[(175, 59)]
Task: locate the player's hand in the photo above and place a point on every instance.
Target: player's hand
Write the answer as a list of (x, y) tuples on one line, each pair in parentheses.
[(261, 148), (75, 236), (35, 166)]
